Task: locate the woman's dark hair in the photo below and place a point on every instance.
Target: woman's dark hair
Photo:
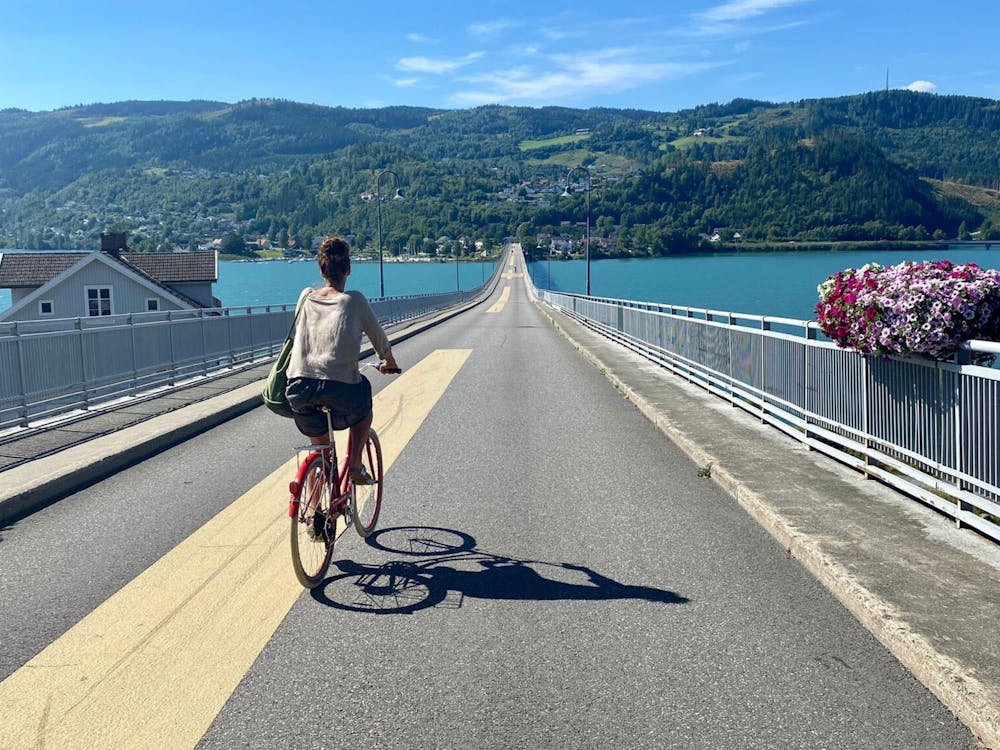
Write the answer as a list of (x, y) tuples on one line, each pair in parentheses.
[(334, 258)]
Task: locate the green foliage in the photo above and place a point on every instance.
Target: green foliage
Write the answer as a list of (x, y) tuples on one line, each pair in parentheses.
[(560, 141), (233, 244), (178, 173)]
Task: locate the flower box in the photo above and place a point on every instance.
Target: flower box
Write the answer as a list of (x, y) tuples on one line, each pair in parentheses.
[(909, 309)]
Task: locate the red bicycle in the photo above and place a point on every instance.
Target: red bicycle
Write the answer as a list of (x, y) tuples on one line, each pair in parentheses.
[(322, 493)]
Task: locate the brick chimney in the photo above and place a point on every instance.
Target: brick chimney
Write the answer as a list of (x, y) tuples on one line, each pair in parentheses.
[(113, 243)]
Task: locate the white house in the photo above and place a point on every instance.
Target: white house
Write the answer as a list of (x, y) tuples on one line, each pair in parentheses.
[(81, 284)]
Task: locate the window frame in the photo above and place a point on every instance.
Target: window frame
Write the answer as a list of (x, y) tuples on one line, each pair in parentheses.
[(98, 288), (52, 308), (156, 301)]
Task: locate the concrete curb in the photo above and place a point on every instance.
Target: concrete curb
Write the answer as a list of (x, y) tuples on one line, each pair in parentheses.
[(972, 702), (38, 483), (34, 485)]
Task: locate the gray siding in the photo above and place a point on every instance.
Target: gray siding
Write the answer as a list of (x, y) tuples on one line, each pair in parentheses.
[(199, 291)]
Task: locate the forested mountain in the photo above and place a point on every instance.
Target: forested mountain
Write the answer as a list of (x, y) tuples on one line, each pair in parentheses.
[(893, 165)]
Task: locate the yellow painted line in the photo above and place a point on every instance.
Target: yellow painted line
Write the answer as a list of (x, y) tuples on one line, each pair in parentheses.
[(499, 305), (153, 665)]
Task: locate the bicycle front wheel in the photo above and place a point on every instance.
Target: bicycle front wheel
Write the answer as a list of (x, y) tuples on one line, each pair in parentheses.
[(366, 499), (313, 526)]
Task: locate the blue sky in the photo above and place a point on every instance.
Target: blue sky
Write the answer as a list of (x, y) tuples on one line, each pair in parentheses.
[(664, 55)]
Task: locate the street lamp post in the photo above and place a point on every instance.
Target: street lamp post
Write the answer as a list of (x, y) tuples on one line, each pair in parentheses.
[(569, 191), (378, 213)]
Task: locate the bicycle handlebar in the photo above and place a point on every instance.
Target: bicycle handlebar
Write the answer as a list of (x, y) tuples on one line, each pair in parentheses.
[(374, 366)]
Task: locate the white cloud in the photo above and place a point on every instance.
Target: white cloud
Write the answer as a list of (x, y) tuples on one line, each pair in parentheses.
[(923, 86), (528, 50), (490, 28), (420, 39), (405, 82), (731, 18), (599, 72), (558, 35), (742, 10), (436, 66)]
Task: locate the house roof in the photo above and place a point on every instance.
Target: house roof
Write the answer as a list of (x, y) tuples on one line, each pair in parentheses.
[(176, 267), (34, 269), (19, 270), (156, 282)]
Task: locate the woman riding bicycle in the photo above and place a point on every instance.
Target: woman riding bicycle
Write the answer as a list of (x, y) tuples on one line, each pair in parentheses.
[(323, 368)]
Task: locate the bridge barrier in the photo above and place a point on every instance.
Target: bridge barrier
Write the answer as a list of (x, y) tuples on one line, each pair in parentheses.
[(926, 427), (51, 367)]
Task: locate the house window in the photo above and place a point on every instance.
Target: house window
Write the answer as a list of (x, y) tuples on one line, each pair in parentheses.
[(98, 301), (45, 307), (152, 304)]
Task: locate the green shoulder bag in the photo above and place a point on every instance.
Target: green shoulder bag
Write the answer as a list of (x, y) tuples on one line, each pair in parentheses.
[(274, 387)]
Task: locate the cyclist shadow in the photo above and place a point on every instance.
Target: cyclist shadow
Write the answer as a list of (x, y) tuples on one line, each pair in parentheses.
[(444, 567)]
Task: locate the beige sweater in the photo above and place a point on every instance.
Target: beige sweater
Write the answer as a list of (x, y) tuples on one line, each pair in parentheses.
[(327, 340)]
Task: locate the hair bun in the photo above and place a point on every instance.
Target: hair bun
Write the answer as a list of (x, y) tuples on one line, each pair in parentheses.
[(334, 258)]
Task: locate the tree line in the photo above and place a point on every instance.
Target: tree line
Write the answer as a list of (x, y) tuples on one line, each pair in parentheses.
[(174, 174)]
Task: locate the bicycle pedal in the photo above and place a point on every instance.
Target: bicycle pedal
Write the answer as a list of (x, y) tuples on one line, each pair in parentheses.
[(317, 527)]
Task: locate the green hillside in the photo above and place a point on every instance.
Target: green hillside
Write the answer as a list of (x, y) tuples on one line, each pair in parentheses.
[(172, 174)]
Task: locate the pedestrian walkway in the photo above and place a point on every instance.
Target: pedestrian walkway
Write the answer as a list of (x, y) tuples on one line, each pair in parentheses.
[(20, 446)]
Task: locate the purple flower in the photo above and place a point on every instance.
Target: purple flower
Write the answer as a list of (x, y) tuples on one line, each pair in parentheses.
[(910, 308)]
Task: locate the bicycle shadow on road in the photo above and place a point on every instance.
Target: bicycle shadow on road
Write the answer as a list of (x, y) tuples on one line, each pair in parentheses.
[(438, 566)]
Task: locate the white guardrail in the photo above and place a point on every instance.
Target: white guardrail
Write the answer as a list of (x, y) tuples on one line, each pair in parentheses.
[(51, 367), (928, 428)]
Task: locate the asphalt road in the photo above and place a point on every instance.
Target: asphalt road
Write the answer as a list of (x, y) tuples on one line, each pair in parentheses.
[(550, 572)]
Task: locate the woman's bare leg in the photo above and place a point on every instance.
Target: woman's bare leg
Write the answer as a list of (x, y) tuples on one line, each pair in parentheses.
[(359, 436), (321, 440)]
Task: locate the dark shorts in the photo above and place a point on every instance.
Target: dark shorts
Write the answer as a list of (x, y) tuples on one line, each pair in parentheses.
[(349, 403)]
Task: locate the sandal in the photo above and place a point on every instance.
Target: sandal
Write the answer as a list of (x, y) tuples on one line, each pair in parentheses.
[(360, 475)]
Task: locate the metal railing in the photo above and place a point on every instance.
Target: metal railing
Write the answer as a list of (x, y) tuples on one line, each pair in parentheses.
[(51, 367), (928, 428)]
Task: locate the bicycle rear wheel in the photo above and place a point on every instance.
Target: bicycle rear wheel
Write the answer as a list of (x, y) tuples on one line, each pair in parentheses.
[(366, 499), (313, 526)]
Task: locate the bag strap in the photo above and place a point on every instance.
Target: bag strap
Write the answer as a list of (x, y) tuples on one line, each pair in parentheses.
[(298, 308)]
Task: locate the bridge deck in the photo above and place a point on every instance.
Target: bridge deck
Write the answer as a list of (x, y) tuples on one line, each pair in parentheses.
[(566, 574)]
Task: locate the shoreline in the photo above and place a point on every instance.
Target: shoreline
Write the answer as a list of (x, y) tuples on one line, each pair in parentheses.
[(787, 247), (360, 261)]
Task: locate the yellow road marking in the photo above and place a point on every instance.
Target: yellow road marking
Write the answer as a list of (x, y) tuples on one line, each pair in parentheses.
[(154, 664), (504, 296)]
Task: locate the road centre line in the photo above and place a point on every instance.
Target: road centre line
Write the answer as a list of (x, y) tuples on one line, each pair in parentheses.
[(499, 304), (154, 664)]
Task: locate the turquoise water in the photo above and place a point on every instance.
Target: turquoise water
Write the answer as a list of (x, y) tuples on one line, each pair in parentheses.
[(279, 282), (780, 284)]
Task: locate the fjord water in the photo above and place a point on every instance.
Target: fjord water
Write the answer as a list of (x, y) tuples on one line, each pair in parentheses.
[(781, 284), (279, 282), (244, 284)]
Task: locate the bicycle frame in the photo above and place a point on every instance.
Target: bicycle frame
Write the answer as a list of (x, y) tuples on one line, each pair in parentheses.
[(339, 491)]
